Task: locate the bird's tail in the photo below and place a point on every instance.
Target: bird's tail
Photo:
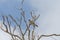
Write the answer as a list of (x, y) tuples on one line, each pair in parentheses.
[(36, 25)]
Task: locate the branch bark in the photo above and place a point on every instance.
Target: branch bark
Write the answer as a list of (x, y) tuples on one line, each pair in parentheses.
[(48, 36)]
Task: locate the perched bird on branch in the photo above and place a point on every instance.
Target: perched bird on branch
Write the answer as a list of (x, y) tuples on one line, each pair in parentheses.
[(31, 22)]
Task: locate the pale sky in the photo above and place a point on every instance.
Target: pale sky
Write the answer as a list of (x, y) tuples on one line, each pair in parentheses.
[(49, 21)]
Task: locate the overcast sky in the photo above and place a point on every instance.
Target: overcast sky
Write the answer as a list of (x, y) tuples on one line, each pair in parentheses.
[(49, 21), (49, 10)]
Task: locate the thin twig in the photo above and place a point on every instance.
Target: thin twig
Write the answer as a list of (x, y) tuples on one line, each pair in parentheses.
[(9, 24), (16, 23), (4, 23), (11, 33)]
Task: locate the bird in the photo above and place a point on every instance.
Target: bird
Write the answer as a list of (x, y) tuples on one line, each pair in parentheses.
[(31, 22), (33, 19)]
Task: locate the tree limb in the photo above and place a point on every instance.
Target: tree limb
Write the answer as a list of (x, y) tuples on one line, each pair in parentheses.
[(48, 36)]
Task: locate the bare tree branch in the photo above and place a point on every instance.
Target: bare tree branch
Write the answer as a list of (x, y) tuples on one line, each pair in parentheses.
[(9, 24), (13, 20), (10, 33), (48, 36), (22, 2), (5, 18), (34, 17), (14, 29), (17, 25), (4, 23)]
